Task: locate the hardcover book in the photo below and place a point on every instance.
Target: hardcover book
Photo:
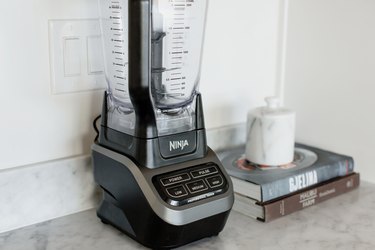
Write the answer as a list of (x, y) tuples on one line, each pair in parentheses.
[(311, 166), (308, 197)]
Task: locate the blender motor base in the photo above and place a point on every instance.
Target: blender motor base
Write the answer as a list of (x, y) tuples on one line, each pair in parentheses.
[(125, 207), (112, 215)]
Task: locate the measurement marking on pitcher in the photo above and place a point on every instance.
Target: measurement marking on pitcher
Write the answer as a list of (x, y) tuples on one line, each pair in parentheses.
[(120, 77), (174, 89), (177, 44)]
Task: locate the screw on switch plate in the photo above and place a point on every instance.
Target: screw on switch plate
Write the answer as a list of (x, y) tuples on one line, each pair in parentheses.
[(76, 57)]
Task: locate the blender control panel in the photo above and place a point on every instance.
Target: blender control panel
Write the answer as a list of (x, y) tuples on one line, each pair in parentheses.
[(192, 184)]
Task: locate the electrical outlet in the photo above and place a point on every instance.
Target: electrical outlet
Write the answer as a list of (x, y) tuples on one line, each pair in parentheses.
[(76, 56)]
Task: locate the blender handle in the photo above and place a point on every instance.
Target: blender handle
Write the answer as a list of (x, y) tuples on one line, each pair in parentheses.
[(140, 68)]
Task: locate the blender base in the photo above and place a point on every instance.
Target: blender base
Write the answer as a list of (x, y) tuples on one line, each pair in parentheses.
[(126, 207), (172, 236)]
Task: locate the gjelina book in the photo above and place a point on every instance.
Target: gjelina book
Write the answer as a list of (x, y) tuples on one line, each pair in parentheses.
[(310, 167), (278, 208)]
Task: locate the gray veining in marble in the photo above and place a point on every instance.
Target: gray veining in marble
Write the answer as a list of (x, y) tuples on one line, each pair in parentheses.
[(41, 192), (345, 222)]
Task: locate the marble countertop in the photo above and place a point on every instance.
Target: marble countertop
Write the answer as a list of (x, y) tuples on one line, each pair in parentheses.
[(344, 222)]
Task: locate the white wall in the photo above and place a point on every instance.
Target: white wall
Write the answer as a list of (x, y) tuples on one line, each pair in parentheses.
[(240, 64), (330, 76), (37, 126), (239, 69)]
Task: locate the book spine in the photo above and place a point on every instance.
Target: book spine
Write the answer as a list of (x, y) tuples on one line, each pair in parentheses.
[(309, 177), (309, 197)]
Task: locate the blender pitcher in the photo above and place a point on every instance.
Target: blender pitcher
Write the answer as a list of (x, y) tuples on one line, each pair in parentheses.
[(177, 38), (114, 26), (177, 29)]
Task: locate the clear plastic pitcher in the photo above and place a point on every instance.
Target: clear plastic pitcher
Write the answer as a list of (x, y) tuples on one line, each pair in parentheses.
[(114, 24), (176, 39)]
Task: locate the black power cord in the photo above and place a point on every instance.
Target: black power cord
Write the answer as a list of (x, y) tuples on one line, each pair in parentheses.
[(96, 128)]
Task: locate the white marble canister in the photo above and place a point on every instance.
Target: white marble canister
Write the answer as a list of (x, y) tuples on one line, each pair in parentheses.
[(270, 134)]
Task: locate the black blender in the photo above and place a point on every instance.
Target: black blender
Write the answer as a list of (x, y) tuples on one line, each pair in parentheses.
[(162, 185)]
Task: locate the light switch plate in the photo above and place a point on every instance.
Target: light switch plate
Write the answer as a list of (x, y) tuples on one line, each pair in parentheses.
[(76, 55)]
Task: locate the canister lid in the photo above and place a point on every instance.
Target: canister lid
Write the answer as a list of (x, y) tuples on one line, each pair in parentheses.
[(273, 108), (272, 102)]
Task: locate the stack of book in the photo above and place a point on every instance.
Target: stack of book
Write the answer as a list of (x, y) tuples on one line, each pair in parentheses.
[(267, 193)]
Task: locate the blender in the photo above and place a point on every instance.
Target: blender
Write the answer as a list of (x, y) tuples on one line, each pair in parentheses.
[(162, 185)]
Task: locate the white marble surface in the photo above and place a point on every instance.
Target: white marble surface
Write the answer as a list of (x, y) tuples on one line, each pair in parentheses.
[(345, 222), (41, 192)]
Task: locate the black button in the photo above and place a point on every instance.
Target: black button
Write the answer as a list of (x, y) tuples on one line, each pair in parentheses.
[(167, 181), (177, 192), (204, 171), (215, 181), (196, 186)]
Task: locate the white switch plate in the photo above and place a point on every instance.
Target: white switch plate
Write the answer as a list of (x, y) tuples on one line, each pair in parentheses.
[(76, 55)]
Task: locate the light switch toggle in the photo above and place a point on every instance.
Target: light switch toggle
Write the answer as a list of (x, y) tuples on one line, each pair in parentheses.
[(72, 56), (95, 55)]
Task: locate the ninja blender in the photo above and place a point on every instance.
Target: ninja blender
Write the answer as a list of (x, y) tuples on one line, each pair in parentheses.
[(162, 185)]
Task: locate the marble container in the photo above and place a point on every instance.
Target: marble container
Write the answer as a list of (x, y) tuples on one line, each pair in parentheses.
[(270, 134)]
